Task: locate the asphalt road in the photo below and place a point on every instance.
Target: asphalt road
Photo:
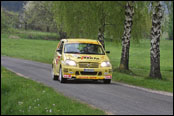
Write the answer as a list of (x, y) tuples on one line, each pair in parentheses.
[(114, 98)]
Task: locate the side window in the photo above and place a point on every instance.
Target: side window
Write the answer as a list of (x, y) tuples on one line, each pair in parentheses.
[(61, 45), (59, 48)]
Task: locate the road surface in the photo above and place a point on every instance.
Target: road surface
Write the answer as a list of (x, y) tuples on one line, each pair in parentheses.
[(114, 98)]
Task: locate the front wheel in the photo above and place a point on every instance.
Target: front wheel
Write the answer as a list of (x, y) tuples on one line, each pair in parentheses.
[(61, 79), (107, 81)]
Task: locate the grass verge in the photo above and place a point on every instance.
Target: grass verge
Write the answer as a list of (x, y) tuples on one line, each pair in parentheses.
[(16, 99), (31, 34)]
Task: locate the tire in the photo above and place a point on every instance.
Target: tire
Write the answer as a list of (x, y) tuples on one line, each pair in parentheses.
[(107, 81), (61, 79)]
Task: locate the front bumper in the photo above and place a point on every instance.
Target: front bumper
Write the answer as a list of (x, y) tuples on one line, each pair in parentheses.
[(79, 73)]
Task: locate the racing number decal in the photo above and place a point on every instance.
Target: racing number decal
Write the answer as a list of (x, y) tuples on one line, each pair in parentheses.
[(57, 60)]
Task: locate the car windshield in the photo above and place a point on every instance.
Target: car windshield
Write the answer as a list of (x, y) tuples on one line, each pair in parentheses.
[(83, 48)]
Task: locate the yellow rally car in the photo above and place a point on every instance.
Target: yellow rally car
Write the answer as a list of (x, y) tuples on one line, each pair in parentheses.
[(81, 59)]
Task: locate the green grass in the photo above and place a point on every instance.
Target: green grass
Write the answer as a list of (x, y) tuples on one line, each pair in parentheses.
[(31, 34), (20, 96), (43, 51), (37, 50)]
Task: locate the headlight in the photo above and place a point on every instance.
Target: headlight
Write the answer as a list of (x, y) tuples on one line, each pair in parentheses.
[(70, 62), (105, 64)]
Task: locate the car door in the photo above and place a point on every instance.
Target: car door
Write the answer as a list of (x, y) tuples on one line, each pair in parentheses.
[(58, 56)]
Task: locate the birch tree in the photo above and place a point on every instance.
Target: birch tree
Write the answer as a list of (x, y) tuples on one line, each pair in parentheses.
[(129, 12), (155, 41)]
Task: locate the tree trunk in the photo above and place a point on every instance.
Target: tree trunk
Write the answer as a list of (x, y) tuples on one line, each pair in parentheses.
[(48, 29), (101, 37), (102, 30), (25, 25), (155, 42), (129, 12), (62, 35)]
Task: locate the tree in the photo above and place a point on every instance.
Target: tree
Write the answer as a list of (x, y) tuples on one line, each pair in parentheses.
[(167, 21), (155, 41), (38, 16), (170, 23), (9, 19), (89, 19), (129, 12), (142, 21), (170, 27), (4, 21), (101, 29)]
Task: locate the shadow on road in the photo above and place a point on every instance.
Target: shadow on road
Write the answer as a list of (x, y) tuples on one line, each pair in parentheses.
[(87, 82)]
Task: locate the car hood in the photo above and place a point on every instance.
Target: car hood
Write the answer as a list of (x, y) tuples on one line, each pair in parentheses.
[(86, 57)]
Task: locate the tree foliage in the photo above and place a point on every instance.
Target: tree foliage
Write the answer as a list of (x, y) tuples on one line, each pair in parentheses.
[(9, 19), (142, 21), (170, 22), (38, 16), (167, 21), (83, 19)]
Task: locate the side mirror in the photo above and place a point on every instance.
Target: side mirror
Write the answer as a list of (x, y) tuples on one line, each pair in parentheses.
[(108, 52)]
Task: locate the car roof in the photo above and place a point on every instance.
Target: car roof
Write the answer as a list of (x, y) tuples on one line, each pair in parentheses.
[(80, 40)]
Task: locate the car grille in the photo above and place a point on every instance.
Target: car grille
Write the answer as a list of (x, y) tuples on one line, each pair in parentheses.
[(88, 65), (88, 73)]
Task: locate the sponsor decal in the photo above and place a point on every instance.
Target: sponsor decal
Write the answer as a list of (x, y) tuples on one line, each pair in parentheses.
[(83, 77), (87, 77), (57, 60), (92, 77), (88, 57), (67, 76)]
